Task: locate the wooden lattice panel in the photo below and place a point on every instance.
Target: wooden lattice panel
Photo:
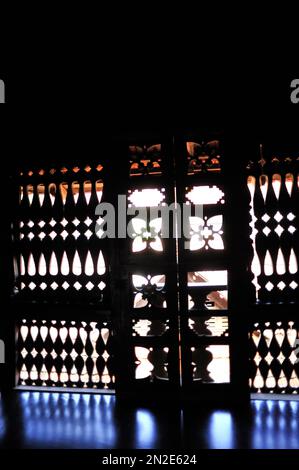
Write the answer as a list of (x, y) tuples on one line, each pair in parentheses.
[(274, 190), (58, 253), (59, 353), (274, 357)]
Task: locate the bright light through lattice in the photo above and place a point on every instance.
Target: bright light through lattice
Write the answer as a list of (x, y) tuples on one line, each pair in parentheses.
[(146, 198)]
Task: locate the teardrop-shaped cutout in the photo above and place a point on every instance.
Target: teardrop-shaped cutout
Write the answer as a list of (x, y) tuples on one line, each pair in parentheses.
[(101, 267), (63, 191), (77, 268), (31, 266), (293, 265), (41, 189), (52, 192), (268, 335), (268, 264), (282, 381), (89, 268), (42, 265), (22, 266), (21, 194), (53, 265), (251, 186), (276, 183), (264, 181), (30, 193), (280, 263), (270, 380), (99, 190), (289, 181), (65, 267), (44, 373), (258, 380), (75, 191), (87, 191), (256, 265), (33, 373)]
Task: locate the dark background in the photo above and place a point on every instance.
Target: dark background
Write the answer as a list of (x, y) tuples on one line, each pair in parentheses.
[(75, 111)]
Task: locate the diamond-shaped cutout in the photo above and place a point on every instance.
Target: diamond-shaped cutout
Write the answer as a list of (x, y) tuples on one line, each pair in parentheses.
[(87, 169), (54, 285), (32, 286), (291, 229), (76, 169), (65, 285), (53, 354), (77, 285), (76, 222), (269, 358), (44, 353), (43, 286), (24, 353), (88, 234), (64, 222), (99, 168), (41, 224), (293, 285), (52, 222), (266, 231), (42, 235), (102, 285), (74, 354), (34, 352), (64, 234), (76, 234), (279, 230), (88, 221), (266, 218), (291, 216), (105, 356), (30, 236), (281, 357), (89, 286), (281, 285), (53, 234), (278, 217), (30, 224), (257, 358), (269, 286), (21, 236)]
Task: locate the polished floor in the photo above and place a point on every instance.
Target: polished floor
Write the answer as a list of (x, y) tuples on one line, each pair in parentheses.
[(41, 420)]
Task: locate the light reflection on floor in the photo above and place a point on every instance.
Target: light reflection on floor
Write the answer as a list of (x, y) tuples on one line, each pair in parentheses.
[(68, 420), (74, 421), (2, 421), (275, 425)]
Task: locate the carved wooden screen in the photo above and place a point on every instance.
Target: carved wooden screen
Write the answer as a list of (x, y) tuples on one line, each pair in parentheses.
[(203, 269), (141, 314), (178, 320), (274, 335), (149, 270), (62, 289)]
